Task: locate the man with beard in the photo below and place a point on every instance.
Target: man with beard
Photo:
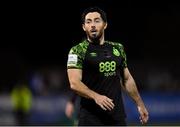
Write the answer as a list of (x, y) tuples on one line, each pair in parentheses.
[(97, 70)]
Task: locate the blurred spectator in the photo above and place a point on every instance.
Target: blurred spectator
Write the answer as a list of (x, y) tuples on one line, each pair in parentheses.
[(69, 110), (71, 107), (21, 97), (37, 84), (47, 81)]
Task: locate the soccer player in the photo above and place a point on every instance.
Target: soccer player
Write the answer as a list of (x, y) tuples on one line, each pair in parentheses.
[(97, 71)]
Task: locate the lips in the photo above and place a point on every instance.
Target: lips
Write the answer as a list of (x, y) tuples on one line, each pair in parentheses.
[(92, 31)]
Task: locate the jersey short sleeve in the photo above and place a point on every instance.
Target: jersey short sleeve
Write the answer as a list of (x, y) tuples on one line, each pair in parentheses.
[(123, 55), (76, 56)]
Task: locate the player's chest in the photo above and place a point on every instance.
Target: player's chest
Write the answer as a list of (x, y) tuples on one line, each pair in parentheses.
[(97, 56)]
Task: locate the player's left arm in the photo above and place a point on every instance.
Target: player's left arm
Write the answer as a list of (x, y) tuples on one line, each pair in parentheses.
[(131, 89)]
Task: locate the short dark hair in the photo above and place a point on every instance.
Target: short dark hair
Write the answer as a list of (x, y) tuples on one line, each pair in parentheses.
[(94, 9)]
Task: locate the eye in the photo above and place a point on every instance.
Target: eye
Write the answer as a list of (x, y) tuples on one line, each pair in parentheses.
[(87, 21), (98, 20)]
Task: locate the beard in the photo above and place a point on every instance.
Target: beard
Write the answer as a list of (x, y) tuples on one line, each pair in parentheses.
[(95, 38)]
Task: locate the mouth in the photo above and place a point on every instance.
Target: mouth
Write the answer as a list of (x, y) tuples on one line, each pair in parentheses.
[(94, 32)]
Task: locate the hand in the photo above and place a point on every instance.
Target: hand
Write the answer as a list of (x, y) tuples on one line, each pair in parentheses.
[(143, 114), (69, 109), (104, 102)]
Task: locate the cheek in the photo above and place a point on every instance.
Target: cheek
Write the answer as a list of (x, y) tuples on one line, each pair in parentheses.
[(100, 27), (86, 28)]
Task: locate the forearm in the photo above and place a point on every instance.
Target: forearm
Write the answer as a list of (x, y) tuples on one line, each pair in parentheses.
[(81, 89), (132, 90), (130, 87)]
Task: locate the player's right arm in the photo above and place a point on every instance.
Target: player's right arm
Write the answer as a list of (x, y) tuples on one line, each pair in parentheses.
[(75, 77)]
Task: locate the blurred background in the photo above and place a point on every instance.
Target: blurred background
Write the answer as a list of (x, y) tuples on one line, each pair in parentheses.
[(35, 41)]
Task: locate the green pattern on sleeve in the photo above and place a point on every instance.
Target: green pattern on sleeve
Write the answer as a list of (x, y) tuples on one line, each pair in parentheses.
[(123, 54), (76, 55)]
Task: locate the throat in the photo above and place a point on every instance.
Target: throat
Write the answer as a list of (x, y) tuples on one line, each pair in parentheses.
[(96, 41)]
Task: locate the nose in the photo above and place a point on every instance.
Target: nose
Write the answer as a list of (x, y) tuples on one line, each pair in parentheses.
[(93, 26)]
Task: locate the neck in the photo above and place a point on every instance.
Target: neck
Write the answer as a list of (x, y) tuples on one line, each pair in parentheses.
[(102, 40)]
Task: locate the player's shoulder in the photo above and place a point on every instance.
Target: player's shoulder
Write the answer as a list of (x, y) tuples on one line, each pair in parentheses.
[(115, 43), (82, 43), (80, 46)]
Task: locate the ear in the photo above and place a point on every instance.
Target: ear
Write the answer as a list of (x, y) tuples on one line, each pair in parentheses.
[(83, 27), (105, 25)]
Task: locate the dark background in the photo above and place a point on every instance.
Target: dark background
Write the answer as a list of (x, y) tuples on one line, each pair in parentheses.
[(37, 36), (40, 34)]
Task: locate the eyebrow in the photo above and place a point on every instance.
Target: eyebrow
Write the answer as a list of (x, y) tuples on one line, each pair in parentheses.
[(93, 19)]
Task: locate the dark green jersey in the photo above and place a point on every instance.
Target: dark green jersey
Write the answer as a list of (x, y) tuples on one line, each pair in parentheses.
[(101, 66)]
